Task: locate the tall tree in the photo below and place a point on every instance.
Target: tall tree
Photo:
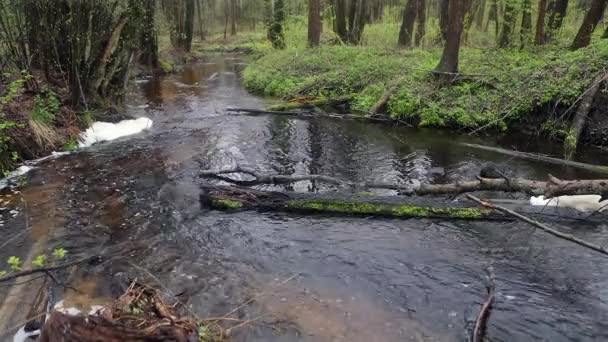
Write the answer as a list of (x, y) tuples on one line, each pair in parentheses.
[(277, 37), (592, 18), (479, 16), (340, 20), (448, 65), (234, 13), (407, 25), (180, 15), (557, 13), (357, 20), (149, 37), (493, 16), (539, 37), (508, 24), (420, 22), (314, 23), (526, 23), (444, 17)]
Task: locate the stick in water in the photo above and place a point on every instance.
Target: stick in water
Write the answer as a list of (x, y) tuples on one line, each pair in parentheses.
[(547, 229), (484, 314)]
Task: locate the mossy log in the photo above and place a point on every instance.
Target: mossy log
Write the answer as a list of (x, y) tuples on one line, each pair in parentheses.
[(234, 198)]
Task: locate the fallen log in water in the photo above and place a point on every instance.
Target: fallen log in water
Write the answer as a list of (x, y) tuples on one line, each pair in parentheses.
[(233, 198), (552, 188), (311, 113), (540, 157), (308, 103)]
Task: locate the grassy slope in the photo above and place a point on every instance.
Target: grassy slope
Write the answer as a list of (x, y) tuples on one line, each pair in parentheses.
[(505, 85)]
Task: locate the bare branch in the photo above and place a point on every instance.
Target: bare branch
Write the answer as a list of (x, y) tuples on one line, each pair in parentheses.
[(547, 229)]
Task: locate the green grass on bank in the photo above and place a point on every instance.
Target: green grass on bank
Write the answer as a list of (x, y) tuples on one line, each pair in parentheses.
[(503, 86)]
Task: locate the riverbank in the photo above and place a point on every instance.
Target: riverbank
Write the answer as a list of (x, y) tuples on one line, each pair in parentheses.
[(534, 90)]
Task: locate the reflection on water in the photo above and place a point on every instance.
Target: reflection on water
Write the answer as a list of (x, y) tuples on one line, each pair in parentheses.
[(352, 279)]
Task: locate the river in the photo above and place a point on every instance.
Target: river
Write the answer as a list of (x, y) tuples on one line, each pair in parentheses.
[(315, 278)]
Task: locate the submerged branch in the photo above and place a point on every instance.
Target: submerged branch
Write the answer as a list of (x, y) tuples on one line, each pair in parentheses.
[(545, 228), (479, 331), (540, 157)]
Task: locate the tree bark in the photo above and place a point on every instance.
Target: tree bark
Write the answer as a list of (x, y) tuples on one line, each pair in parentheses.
[(314, 23), (233, 16), (526, 23), (357, 21), (420, 23), (508, 25), (448, 66), (580, 119), (592, 18), (107, 52), (444, 18), (539, 37), (480, 15), (340, 20), (557, 13), (407, 25), (149, 38)]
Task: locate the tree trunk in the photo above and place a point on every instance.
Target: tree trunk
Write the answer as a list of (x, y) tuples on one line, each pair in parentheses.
[(149, 38), (407, 25), (508, 24), (469, 17), (233, 16), (592, 18), (340, 21), (526, 23), (444, 17), (480, 15), (539, 37), (420, 22), (357, 21), (314, 23), (605, 35), (448, 66), (557, 13), (493, 16), (580, 119)]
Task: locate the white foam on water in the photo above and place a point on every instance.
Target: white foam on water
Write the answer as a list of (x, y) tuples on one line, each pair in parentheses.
[(105, 131), (22, 335), (578, 202)]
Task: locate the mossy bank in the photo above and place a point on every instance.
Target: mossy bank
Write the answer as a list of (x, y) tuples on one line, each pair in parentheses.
[(498, 89)]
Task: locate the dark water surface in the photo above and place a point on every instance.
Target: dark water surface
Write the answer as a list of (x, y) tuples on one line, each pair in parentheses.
[(314, 278)]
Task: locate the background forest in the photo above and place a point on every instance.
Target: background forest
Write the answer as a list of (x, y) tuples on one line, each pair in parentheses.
[(470, 65)]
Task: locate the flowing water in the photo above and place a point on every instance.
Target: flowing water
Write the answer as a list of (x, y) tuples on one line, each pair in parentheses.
[(314, 278)]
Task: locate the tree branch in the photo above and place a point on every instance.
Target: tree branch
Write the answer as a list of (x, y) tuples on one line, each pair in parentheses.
[(484, 314), (552, 188), (24, 273), (547, 229)]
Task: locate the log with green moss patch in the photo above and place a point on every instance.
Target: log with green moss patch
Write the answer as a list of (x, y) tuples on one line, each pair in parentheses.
[(237, 198), (385, 209)]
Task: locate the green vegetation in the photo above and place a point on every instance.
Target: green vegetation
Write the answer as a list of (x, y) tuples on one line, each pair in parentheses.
[(224, 204), (15, 263), (397, 210), (504, 86)]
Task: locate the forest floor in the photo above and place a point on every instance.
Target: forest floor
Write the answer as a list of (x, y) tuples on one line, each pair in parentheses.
[(535, 89)]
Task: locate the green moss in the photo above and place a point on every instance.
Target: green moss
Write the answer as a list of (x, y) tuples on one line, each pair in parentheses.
[(505, 86), (166, 66), (224, 204), (398, 210)]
